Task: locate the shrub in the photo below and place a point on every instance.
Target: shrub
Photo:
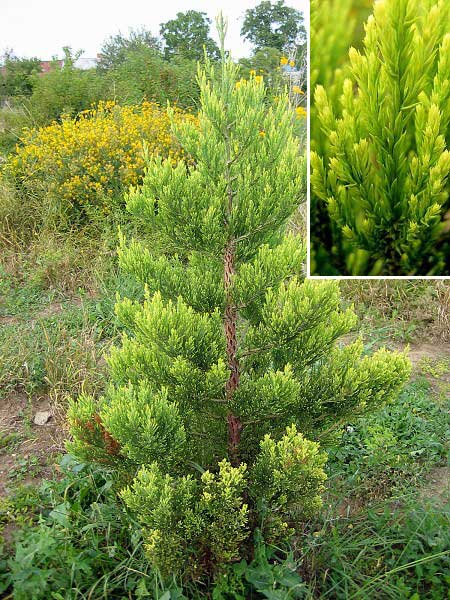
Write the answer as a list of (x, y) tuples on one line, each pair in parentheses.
[(380, 172), (144, 74), (16, 76), (89, 161), (63, 91), (231, 361)]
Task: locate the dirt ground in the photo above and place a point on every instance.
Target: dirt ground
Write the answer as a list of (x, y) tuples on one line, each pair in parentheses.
[(30, 448), (435, 352)]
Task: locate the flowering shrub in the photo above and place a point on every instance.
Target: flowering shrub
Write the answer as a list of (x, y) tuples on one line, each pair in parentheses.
[(90, 160)]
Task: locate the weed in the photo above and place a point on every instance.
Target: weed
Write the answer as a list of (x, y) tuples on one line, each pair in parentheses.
[(393, 448), (382, 553), (8, 440), (401, 310), (26, 466), (434, 368), (56, 355), (81, 545)]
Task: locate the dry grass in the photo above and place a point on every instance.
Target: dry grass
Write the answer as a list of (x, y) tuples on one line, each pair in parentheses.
[(50, 256), (423, 303)]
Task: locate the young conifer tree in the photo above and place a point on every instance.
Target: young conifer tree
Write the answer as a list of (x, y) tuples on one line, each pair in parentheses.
[(229, 372), (381, 169)]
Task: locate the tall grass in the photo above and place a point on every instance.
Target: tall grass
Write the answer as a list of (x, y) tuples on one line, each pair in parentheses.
[(423, 306)]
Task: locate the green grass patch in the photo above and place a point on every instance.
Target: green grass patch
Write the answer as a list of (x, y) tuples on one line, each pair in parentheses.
[(384, 552), (394, 447)]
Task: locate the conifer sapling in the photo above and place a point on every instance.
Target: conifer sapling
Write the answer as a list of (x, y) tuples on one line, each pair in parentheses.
[(229, 372)]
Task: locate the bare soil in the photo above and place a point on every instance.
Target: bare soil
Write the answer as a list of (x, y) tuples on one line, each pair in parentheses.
[(37, 444), (437, 486), (435, 352)]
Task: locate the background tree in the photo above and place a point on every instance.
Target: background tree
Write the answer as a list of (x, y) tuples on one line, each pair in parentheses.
[(16, 76), (265, 62), (232, 360), (273, 26), (188, 35), (117, 47)]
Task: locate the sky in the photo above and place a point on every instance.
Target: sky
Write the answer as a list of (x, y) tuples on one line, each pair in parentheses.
[(42, 27)]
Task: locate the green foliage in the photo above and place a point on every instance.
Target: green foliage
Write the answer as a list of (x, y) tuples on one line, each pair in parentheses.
[(17, 75), (266, 62), (47, 347), (13, 118), (381, 171), (184, 513), (273, 26), (285, 472), (64, 90), (387, 481), (393, 447), (143, 73), (271, 64), (390, 553), (80, 542), (271, 574), (330, 42), (187, 36), (190, 401), (117, 47)]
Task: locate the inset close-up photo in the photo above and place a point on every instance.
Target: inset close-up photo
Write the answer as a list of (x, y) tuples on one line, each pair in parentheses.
[(380, 138)]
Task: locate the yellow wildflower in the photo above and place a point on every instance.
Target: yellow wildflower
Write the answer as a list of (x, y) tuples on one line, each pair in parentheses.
[(291, 63), (262, 134), (83, 160), (283, 61), (300, 112), (298, 90)]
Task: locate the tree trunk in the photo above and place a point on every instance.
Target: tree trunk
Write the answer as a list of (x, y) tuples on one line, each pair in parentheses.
[(234, 423)]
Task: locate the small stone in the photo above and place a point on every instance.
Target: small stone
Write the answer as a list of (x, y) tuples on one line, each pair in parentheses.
[(42, 417)]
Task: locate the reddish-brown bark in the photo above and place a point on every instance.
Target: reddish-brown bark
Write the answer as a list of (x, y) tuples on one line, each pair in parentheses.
[(230, 320)]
